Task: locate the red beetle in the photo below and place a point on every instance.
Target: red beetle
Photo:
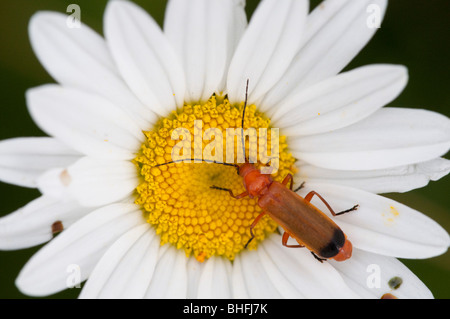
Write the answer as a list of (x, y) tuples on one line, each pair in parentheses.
[(300, 219)]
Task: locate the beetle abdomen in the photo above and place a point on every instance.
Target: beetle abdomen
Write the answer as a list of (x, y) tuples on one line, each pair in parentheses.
[(303, 221), (334, 245)]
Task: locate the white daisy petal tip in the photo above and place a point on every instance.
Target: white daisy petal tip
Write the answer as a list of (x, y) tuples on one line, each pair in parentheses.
[(436, 169), (340, 101), (91, 181), (212, 41), (320, 58), (69, 259), (374, 276), (85, 121), (266, 49), (398, 179), (146, 61), (79, 58), (40, 18), (23, 160), (388, 138), (32, 224)]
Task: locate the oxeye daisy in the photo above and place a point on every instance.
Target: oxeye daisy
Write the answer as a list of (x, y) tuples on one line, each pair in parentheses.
[(135, 224)]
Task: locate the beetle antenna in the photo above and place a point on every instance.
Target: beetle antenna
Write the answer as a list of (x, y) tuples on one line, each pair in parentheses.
[(204, 160), (243, 117)]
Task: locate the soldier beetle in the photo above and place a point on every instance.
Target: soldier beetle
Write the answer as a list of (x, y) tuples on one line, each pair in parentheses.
[(300, 219)]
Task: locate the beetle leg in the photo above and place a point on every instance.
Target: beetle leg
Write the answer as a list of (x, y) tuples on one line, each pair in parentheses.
[(290, 178), (318, 258), (284, 241), (287, 179), (348, 210), (300, 187), (244, 194), (312, 193), (253, 226)]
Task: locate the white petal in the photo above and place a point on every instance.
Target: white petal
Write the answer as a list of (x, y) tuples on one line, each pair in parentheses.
[(392, 180), (335, 33), (282, 284), (339, 101), (79, 58), (126, 269), (54, 183), (170, 276), (298, 274), (203, 33), (255, 278), (390, 137), (144, 57), (369, 274), (31, 225), (266, 49), (238, 285), (80, 247), (194, 271), (92, 182), (274, 271), (240, 24), (214, 280), (89, 123), (22, 160), (381, 225)]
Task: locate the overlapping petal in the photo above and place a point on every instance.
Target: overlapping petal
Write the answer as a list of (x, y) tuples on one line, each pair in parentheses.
[(214, 280), (126, 269), (92, 182), (79, 58), (266, 49), (398, 179), (205, 33), (146, 60), (336, 31), (86, 122), (170, 276), (381, 225), (369, 275), (274, 271), (23, 160), (390, 137), (70, 258), (31, 225), (339, 101)]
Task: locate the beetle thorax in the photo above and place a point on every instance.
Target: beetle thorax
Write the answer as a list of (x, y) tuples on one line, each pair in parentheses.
[(255, 183)]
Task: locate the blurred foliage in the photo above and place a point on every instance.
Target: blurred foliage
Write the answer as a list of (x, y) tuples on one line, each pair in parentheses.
[(414, 33)]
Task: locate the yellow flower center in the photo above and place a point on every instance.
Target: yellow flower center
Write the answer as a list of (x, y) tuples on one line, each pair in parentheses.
[(177, 198)]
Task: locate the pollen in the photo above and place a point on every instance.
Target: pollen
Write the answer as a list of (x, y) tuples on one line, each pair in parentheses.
[(177, 198)]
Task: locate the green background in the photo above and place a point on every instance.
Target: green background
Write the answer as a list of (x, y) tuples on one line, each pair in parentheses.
[(414, 33)]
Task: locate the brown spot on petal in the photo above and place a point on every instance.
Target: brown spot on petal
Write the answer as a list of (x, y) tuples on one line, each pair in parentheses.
[(65, 178), (395, 282), (57, 227)]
